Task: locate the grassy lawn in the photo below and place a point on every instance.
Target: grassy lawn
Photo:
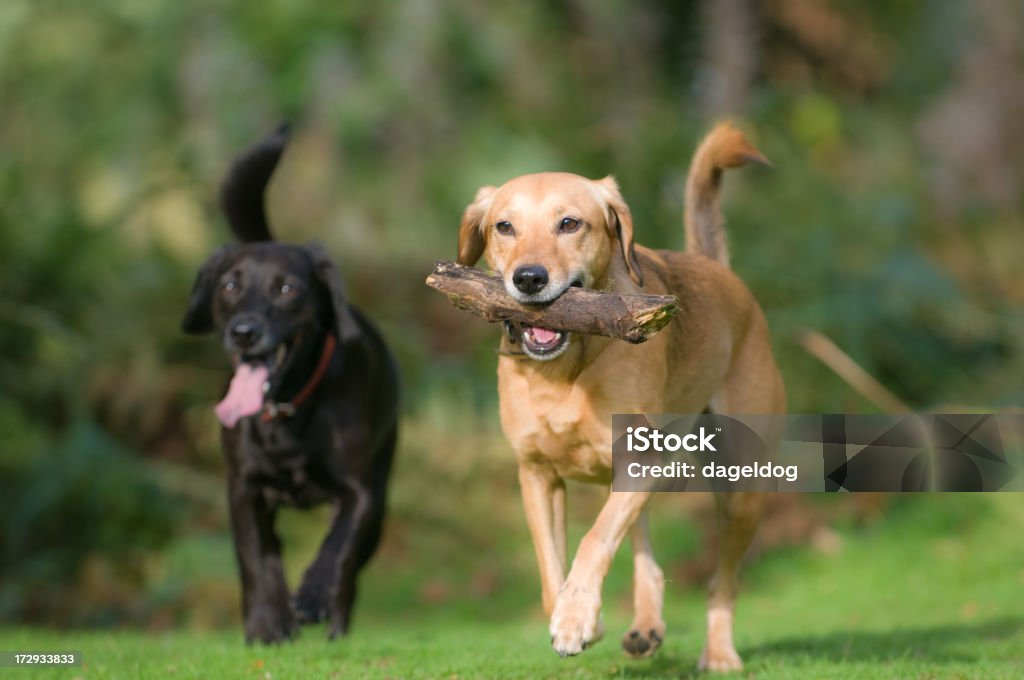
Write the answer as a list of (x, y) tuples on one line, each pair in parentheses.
[(934, 591)]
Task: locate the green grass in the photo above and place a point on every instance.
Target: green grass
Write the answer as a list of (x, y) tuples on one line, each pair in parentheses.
[(933, 591)]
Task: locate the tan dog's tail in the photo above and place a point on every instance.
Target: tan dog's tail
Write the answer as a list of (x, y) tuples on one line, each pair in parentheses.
[(724, 147)]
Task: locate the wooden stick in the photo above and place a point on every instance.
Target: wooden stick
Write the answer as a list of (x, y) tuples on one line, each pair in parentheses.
[(632, 318)]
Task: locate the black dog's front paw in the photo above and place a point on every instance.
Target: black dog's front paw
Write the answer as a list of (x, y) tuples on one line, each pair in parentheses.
[(270, 625), (310, 602)]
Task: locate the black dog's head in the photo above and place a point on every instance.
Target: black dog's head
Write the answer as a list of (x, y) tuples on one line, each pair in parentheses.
[(271, 303)]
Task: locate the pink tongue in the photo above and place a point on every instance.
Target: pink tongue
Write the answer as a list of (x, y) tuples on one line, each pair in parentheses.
[(245, 395), (544, 336)]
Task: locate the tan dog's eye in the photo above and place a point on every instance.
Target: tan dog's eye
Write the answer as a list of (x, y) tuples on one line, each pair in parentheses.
[(503, 227), (568, 225)]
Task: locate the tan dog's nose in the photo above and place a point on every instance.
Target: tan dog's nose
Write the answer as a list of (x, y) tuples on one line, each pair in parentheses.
[(530, 279)]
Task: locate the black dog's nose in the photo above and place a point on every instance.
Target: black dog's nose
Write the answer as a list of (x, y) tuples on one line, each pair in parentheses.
[(530, 279), (246, 333)]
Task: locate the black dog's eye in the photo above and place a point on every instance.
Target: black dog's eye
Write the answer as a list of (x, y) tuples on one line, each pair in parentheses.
[(230, 288), (503, 227), (288, 290), (568, 225)]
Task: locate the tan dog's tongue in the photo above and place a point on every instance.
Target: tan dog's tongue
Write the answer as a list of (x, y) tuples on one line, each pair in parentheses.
[(544, 335), (245, 395)]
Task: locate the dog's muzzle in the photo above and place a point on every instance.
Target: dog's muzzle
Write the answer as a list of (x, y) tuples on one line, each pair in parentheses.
[(257, 359), (539, 342), (544, 344)]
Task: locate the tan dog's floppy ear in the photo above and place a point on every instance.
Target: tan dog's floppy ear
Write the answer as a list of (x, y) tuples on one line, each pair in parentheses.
[(471, 236), (621, 220), (346, 326)]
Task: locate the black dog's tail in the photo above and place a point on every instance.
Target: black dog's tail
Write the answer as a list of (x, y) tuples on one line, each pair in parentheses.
[(242, 195)]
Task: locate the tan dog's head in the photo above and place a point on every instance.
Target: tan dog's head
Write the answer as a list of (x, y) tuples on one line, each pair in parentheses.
[(545, 233)]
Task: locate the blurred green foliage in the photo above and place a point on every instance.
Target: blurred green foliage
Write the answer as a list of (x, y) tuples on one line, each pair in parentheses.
[(85, 497), (891, 222)]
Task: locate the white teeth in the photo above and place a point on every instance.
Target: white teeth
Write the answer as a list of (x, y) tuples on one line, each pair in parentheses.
[(266, 387)]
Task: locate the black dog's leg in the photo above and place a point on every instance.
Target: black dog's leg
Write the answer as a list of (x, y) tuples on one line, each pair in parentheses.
[(346, 567), (265, 606), (344, 601), (369, 538), (312, 600), (323, 585)]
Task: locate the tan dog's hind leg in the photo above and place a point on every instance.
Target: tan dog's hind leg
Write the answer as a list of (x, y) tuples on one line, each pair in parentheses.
[(544, 501), (738, 514), (648, 628), (575, 621), (753, 386)]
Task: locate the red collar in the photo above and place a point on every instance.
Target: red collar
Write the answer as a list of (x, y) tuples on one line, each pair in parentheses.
[(275, 409)]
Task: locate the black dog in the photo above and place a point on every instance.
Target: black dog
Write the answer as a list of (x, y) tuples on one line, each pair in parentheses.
[(310, 414)]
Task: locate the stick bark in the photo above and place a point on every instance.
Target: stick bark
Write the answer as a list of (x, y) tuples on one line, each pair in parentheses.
[(633, 318)]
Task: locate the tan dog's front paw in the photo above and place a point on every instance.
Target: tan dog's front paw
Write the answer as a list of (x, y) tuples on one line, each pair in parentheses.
[(575, 623), (721, 659), (642, 639)]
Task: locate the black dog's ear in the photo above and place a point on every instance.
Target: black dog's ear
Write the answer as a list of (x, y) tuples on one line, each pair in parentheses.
[(199, 315), (345, 323)]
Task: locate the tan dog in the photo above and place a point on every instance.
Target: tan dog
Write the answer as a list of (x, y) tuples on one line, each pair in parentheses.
[(546, 232)]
